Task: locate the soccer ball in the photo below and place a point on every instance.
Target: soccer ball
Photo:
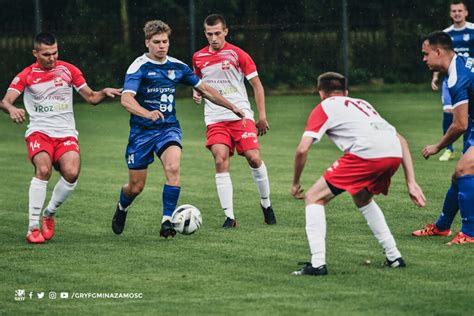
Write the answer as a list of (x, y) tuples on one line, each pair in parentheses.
[(186, 219)]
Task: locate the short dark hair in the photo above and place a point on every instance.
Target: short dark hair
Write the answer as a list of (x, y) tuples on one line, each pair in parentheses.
[(330, 82), (44, 38), (454, 2), (439, 39), (214, 19)]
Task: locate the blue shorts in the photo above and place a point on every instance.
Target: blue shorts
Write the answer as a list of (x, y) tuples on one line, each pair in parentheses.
[(143, 143), (445, 96), (470, 141)]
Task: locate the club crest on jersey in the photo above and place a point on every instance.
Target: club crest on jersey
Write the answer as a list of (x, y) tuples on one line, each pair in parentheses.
[(171, 74), (225, 65), (465, 37), (58, 82)]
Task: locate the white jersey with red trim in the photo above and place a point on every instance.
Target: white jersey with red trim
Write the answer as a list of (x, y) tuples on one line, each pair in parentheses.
[(48, 97), (355, 127), (225, 71)]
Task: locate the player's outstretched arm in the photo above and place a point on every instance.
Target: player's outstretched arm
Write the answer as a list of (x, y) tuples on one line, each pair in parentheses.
[(214, 96), (301, 155), (456, 129), (96, 97), (414, 190), (259, 93), (131, 105), (16, 115)]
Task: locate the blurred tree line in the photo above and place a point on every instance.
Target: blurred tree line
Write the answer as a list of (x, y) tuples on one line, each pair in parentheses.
[(290, 41)]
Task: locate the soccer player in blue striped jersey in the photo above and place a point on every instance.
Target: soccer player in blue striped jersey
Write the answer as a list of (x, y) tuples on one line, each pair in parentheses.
[(149, 95), (438, 54), (462, 36)]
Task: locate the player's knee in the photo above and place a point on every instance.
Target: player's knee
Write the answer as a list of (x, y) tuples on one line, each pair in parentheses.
[(460, 171), (172, 168), (43, 172), (70, 174), (255, 161), (135, 189), (221, 162)]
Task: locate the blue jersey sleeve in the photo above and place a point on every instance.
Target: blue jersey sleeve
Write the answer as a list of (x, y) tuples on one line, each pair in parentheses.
[(189, 77), (133, 78), (459, 83)]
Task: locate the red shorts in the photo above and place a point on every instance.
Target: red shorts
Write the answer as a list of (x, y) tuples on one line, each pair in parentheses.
[(55, 147), (234, 135), (353, 173)]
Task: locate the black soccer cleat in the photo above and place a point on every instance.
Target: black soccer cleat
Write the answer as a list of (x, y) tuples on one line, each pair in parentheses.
[(308, 269), (397, 263), (118, 221), (268, 215), (167, 229), (230, 223)]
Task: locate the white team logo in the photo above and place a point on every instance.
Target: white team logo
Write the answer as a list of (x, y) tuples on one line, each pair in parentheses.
[(465, 37), (37, 80), (225, 65), (131, 159), (19, 295), (58, 82), (16, 80), (171, 74)]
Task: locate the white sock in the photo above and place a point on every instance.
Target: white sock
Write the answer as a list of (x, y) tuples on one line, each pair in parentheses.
[(164, 218), (37, 195), (316, 232), (61, 192), (225, 193), (376, 221), (260, 177)]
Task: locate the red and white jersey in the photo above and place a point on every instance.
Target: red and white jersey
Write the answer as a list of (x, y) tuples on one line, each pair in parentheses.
[(355, 127), (48, 97), (225, 71)]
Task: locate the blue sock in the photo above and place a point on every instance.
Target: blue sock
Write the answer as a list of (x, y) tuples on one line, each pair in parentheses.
[(125, 201), (170, 199), (450, 208), (466, 203), (447, 120)]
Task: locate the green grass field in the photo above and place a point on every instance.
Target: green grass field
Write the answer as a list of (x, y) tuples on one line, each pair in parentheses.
[(243, 271)]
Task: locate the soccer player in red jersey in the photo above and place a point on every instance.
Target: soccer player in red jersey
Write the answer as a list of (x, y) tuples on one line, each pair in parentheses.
[(224, 67), (373, 151), (51, 137)]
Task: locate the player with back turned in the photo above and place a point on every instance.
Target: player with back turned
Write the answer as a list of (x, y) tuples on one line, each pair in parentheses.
[(373, 151)]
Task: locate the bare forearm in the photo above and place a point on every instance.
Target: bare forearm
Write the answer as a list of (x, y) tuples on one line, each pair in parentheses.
[(97, 97), (452, 134), (260, 101), (407, 161), (214, 96), (300, 161)]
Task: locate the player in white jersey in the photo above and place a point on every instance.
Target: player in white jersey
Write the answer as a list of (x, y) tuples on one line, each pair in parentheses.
[(51, 137), (373, 151), (225, 67)]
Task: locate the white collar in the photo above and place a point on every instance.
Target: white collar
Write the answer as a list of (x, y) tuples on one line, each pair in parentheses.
[(155, 61)]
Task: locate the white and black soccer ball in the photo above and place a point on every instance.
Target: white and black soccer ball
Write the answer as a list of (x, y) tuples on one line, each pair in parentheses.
[(186, 219)]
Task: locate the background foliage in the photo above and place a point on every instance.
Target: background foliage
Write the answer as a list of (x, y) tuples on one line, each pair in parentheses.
[(291, 41)]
